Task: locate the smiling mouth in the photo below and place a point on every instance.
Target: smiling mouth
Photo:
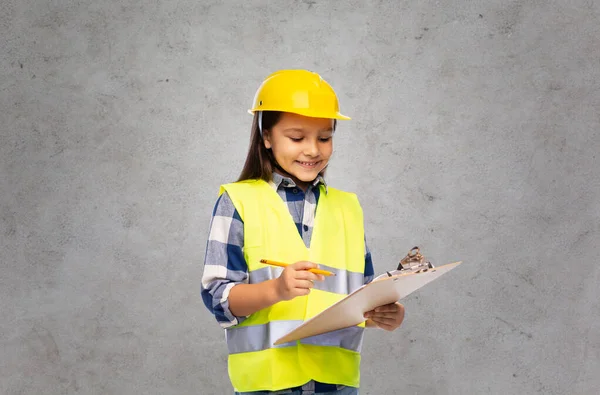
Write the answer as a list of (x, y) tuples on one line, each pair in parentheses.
[(309, 165)]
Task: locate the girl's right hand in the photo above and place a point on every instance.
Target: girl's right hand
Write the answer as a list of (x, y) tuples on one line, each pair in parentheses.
[(295, 280)]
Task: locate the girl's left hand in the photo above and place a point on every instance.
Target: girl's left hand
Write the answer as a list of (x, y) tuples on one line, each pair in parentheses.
[(388, 317)]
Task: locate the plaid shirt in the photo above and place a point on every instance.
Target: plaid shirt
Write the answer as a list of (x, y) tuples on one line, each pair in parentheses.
[(224, 263)]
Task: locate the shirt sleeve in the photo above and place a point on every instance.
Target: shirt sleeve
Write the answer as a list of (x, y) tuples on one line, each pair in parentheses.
[(369, 271), (224, 263)]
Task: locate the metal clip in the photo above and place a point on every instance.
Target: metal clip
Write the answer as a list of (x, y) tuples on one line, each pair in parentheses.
[(414, 262)]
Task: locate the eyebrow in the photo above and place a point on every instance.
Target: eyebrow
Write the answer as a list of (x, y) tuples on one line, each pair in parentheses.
[(302, 130)]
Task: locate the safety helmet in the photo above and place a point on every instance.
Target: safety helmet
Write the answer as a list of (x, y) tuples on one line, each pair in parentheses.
[(297, 91)]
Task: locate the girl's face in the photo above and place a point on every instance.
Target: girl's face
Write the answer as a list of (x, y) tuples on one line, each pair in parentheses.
[(301, 145)]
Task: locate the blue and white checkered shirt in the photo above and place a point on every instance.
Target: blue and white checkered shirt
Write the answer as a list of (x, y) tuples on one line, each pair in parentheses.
[(224, 263)]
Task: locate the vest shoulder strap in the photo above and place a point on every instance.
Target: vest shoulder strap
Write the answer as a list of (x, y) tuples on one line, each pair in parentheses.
[(247, 190)]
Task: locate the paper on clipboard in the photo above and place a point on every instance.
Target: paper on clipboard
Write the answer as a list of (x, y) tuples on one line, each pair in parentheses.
[(350, 310)]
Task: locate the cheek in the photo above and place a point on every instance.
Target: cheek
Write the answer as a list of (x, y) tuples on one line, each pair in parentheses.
[(327, 149), (282, 150)]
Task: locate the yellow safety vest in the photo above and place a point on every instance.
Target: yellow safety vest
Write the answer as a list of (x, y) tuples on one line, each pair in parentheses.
[(337, 244)]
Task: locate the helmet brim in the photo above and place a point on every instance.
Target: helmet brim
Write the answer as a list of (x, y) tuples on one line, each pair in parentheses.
[(310, 113)]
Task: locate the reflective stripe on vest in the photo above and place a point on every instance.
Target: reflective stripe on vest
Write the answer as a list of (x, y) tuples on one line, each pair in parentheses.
[(337, 245), (344, 281), (261, 337)]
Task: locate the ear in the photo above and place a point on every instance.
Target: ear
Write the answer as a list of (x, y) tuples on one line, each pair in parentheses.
[(267, 138)]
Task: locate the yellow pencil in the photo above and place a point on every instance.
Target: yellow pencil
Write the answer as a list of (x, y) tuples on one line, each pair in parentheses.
[(316, 271)]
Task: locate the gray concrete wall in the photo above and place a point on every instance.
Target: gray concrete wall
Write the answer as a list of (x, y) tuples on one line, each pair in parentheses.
[(475, 135)]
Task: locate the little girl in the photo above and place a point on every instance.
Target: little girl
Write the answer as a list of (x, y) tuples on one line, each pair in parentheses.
[(281, 209)]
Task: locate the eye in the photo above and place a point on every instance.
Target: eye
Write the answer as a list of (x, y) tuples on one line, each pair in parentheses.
[(325, 139), (298, 139)]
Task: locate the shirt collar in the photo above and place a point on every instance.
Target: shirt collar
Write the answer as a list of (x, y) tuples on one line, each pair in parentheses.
[(280, 180)]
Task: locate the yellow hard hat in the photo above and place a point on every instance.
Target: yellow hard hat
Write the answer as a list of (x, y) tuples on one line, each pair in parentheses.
[(298, 91)]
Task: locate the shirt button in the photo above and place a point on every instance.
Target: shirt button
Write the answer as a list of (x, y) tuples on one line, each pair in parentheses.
[(295, 190), (305, 227)]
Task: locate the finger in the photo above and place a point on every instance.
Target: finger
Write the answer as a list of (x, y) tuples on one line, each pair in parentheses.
[(393, 307), (387, 308), (398, 315), (306, 275), (385, 315), (301, 291), (384, 320), (304, 265), (381, 325), (303, 284)]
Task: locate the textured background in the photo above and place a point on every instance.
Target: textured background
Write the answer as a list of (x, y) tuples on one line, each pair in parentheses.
[(475, 135)]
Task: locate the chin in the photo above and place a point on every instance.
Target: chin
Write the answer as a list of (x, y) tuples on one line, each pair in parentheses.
[(311, 177)]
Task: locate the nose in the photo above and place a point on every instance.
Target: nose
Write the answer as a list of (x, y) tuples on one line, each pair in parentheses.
[(311, 148)]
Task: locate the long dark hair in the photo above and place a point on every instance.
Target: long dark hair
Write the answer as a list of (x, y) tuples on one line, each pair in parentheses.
[(260, 161)]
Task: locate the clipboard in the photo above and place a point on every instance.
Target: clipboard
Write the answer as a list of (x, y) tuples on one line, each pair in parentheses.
[(386, 288)]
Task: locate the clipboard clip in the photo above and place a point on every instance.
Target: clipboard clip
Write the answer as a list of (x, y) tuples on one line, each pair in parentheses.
[(414, 262)]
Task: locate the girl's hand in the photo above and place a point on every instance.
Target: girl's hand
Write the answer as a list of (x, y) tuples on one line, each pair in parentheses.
[(295, 280), (388, 317)]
